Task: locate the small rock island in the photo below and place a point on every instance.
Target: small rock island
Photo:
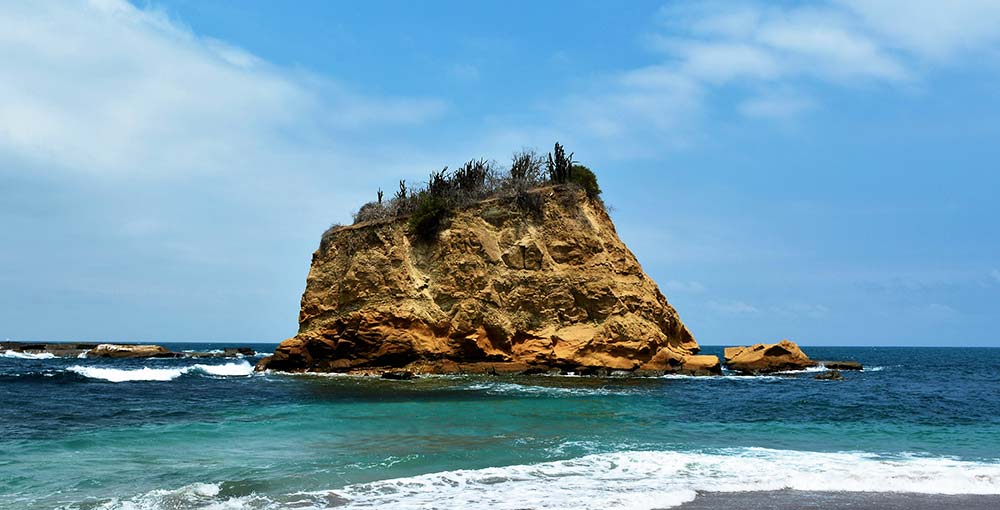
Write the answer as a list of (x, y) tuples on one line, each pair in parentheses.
[(487, 271)]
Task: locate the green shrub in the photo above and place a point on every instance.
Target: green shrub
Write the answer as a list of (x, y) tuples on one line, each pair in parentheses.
[(586, 179), (429, 217), (429, 205)]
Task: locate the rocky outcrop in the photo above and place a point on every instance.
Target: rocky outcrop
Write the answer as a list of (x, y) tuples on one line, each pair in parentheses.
[(74, 350), (503, 288), (63, 350), (831, 375), (842, 365), (767, 358), (130, 351), (701, 365)]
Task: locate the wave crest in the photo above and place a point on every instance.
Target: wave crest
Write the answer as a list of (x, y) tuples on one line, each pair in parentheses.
[(631, 480), (242, 369), (646, 480), (26, 355)]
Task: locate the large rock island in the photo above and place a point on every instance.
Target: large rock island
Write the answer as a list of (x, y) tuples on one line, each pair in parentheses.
[(504, 287)]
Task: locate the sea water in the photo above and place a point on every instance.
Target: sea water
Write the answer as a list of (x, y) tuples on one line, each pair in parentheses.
[(212, 434)]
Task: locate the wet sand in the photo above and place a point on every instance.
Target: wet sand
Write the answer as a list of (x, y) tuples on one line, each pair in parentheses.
[(798, 500)]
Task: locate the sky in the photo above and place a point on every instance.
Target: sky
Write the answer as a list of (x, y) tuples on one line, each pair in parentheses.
[(821, 171)]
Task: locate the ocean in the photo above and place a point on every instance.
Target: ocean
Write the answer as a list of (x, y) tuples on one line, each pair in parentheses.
[(918, 428)]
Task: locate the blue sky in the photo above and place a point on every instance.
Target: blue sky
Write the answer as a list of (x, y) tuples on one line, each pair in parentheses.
[(821, 171)]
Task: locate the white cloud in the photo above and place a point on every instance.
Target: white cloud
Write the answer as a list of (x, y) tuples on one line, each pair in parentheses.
[(931, 28), (136, 154), (775, 106), (733, 307), (996, 275), (740, 48), (106, 88)]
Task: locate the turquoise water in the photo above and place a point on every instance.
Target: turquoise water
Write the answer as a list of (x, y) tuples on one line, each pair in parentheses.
[(179, 434)]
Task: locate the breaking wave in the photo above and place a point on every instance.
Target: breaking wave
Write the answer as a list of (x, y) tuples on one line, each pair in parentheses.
[(116, 375), (26, 355), (635, 480)]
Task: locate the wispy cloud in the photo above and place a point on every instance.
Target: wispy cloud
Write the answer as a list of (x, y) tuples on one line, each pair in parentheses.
[(691, 287), (741, 48), (465, 72), (937, 311), (811, 310), (775, 106), (106, 88), (733, 307), (996, 275), (146, 145), (928, 28)]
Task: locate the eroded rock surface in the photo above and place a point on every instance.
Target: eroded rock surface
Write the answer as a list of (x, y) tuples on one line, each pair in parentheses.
[(500, 288), (767, 358)]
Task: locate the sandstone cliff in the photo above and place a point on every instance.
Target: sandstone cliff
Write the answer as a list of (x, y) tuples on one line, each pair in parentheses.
[(503, 288)]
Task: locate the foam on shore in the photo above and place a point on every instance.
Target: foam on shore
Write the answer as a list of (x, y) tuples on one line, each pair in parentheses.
[(632, 480)]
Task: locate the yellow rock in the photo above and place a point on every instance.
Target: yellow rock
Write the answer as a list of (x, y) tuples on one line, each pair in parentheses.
[(500, 285), (701, 365), (766, 358)]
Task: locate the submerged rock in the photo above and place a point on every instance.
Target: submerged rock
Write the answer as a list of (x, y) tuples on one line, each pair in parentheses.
[(500, 288), (767, 358), (398, 375), (842, 365), (832, 375), (228, 352), (130, 351)]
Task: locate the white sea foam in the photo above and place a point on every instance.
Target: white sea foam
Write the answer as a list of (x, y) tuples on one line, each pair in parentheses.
[(241, 369), (27, 355), (116, 375), (807, 370), (632, 480), (647, 480), (503, 388), (122, 375), (201, 496)]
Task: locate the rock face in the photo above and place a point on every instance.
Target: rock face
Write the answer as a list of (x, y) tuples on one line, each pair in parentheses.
[(129, 351), (501, 289), (767, 358)]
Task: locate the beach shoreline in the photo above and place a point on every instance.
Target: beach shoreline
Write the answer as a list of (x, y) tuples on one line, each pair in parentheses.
[(800, 500)]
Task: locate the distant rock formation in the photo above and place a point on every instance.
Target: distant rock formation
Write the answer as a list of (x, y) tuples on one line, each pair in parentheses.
[(767, 358), (130, 351), (124, 351), (842, 365), (62, 350), (503, 288)]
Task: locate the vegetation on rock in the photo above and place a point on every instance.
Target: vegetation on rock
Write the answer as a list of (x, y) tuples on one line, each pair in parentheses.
[(429, 207)]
